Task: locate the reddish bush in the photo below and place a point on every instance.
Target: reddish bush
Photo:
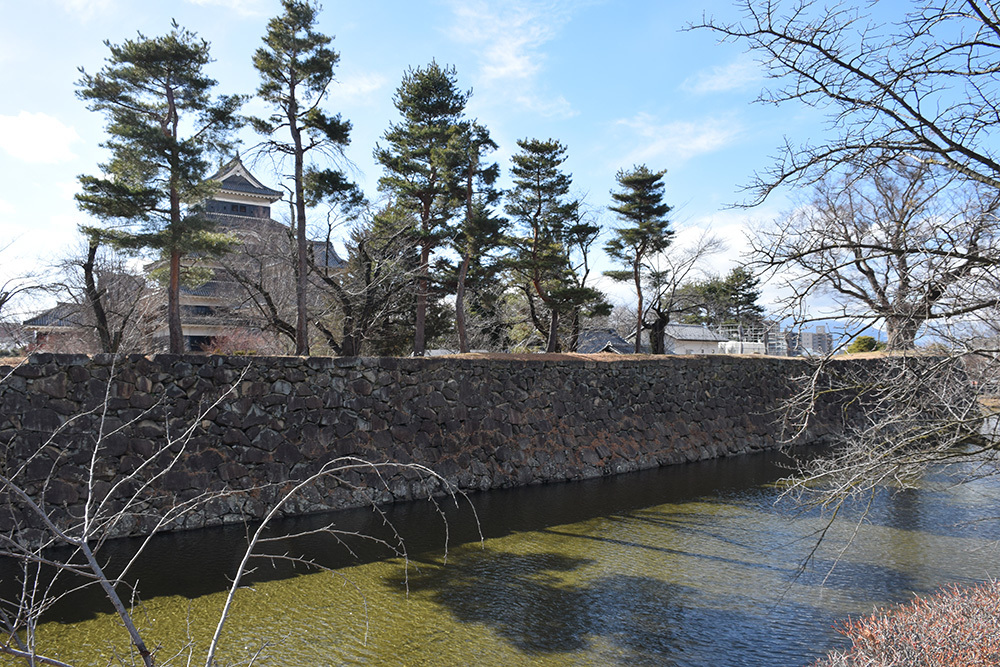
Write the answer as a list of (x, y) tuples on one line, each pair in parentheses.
[(957, 627), (242, 342)]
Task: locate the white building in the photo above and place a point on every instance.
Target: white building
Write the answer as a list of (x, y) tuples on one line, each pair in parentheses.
[(690, 339)]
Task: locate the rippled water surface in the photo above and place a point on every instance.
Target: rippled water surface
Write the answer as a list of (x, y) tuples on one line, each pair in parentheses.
[(690, 565)]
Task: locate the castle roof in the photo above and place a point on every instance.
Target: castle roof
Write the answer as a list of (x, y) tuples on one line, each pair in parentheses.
[(61, 315), (234, 177)]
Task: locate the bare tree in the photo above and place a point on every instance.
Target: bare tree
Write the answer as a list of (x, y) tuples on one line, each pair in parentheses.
[(13, 290), (580, 239), (263, 268), (906, 412), (374, 289), (903, 245), (922, 89), (35, 521), (924, 86), (667, 274), (106, 300)]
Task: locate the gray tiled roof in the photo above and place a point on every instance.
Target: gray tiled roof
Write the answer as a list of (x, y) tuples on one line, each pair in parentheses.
[(593, 341), (326, 255), (240, 184), (62, 315), (691, 332)]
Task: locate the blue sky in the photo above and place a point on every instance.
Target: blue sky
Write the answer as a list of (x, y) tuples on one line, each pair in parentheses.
[(619, 83)]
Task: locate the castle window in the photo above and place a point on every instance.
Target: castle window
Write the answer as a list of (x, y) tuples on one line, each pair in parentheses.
[(243, 209)]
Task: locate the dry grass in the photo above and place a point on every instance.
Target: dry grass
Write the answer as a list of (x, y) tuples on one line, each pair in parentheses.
[(991, 403), (957, 627)]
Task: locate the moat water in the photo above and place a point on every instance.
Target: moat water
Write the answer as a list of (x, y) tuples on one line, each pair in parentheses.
[(689, 565)]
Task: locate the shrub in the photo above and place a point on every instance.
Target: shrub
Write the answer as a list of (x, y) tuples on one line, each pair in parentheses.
[(862, 344), (957, 627)]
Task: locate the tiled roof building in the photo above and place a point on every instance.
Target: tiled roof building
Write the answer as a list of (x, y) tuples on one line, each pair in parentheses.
[(240, 207), (220, 304)]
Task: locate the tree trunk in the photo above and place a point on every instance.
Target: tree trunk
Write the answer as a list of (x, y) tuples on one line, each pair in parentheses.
[(638, 317), (302, 314), (94, 299), (174, 329), (656, 332), (901, 332), (351, 345), (553, 345), (302, 274), (423, 286), (574, 341), (463, 338)]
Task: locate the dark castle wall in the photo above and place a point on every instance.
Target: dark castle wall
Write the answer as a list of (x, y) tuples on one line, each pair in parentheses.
[(480, 423)]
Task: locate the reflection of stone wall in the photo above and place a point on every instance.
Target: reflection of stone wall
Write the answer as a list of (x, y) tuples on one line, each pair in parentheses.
[(481, 423)]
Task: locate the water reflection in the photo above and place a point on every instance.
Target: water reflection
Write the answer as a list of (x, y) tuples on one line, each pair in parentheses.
[(692, 565), (522, 597), (543, 605)]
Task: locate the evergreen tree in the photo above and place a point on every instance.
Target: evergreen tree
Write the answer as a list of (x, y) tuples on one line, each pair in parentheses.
[(296, 67), (373, 292), (743, 291), (162, 123), (640, 206), (580, 239), (422, 162), (544, 215), (862, 344), (480, 230), (730, 300)]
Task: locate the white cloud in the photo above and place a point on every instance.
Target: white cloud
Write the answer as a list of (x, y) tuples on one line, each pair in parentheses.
[(558, 107), (509, 35), (37, 138), (509, 38), (85, 9), (241, 7), (67, 189), (67, 222), (8, 52), (739, 74), (678, 140), (357, 86), (6, 208)]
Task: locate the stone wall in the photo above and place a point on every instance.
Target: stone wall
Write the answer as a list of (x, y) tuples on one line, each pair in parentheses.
[(247, 428)]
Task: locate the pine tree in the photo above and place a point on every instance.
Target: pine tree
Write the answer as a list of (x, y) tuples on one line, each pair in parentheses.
[(730, 300), (580, 238), (162, 123), (422, 164), (640, 205), (743, 291), (543, 212), (480, 230), (296, 66)]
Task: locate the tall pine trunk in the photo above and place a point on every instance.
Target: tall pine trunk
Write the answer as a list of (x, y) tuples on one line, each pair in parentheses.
[(423, 287), (639, 307), (553, 345), (463, 338), (302, 272), (174, 329)]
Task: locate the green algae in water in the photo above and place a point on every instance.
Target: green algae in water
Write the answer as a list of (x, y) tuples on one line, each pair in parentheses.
[(710, 580)]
